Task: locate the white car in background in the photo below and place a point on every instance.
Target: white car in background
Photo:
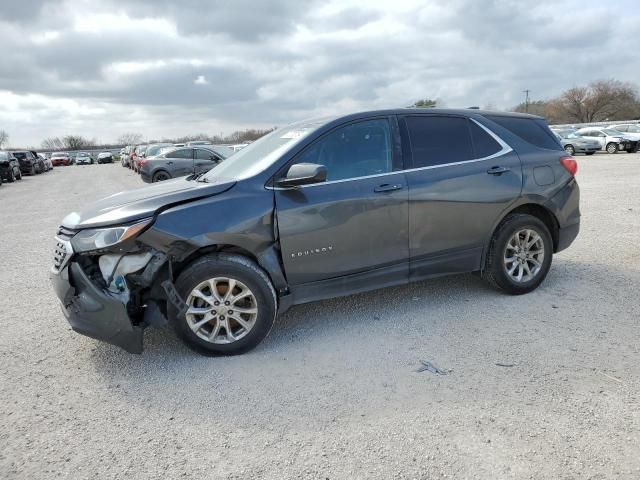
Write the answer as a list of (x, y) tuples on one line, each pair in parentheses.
[(83, 158), (630, 130), (609, 139)]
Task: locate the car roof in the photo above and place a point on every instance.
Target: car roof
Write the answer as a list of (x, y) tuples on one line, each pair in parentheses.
[(467, 112)]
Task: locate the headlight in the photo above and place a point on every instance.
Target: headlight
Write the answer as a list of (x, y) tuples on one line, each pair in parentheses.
[(99, 238)]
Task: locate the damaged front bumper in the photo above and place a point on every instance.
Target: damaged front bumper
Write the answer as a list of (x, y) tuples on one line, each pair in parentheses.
[(95, 312)]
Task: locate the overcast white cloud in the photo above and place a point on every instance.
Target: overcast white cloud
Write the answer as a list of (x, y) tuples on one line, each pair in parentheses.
[(99, 68)]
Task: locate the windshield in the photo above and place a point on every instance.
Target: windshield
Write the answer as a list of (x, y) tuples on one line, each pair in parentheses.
[(20, 155), (573, 135), (4, 155), (611, 132), (262, 153)]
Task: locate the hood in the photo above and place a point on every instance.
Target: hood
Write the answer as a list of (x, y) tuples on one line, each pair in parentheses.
[(143, 202)]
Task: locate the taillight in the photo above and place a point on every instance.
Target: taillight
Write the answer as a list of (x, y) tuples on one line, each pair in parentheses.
[(570, 164)]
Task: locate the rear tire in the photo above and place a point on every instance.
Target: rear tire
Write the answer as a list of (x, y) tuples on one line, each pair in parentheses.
[(501, 272), (208, 338), (570, 150), (12, 176), (612, 147)]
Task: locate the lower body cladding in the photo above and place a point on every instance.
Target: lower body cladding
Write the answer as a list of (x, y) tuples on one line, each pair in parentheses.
[(110, 300)]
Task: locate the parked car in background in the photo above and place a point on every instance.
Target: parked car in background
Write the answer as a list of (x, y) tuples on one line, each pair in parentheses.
[(179, 162), (612, 141), (138, 153), (573, 144), (105, 157), (156, 148), (630, 130), (48, 164), (83, 158), (198, 142), (124, 155), (178, 144), (238, 146), (30, 164), (315, 210), (9, 167), (59, 159)]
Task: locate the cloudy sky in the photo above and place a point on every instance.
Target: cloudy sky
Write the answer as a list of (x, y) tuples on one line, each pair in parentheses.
[(100, 68)]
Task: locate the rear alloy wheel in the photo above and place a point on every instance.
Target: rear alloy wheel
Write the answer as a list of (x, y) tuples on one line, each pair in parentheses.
[(519, 255), (161, 176), (231, 305), (570, 150), (612, 147)]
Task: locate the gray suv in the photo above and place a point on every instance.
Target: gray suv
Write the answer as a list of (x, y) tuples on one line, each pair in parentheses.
[(320, 209)]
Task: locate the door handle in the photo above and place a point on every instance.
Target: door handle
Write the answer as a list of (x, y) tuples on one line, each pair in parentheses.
[(497, 170), (388, 187)]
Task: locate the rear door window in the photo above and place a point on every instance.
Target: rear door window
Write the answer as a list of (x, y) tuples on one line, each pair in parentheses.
[(530, 130), (484, 144), (438, 140)]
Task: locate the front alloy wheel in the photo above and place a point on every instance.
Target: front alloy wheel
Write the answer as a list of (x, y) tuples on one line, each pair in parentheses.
[(570, 150), (221, 310), (230, 304), (612, 147)]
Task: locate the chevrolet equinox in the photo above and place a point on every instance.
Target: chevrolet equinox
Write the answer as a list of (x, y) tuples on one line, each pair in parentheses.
[(319, 209)]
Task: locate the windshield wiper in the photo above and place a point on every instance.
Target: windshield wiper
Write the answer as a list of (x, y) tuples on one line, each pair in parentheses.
[(196, 177)]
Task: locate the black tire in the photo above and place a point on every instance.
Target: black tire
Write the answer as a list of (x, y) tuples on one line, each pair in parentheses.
[(160, 176), (33, 170), (11, 177), (570, 150), (589, 153), (243, 270), (19, 176), (495, 272), (612, 147)]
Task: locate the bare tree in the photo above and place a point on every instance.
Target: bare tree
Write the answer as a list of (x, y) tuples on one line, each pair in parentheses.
[(599, 101), (52, 143), (77, 142), (425, 103), (130, 138), (4, 137)]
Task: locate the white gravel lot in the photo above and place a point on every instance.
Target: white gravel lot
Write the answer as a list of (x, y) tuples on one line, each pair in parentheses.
[(333, 392)]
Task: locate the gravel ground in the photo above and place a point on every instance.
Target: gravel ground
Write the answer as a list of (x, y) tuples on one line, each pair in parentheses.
[(334, 392)]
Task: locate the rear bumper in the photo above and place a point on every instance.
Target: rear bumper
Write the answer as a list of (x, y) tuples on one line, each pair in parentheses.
[(567, 235), (94, 312), (145, 176)]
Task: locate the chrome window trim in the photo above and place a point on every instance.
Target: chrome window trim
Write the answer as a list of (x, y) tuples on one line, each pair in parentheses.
[(505, 148)]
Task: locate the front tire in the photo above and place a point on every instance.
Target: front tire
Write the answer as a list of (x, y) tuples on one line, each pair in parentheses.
[(160, 177), (12, 176), (570, 150), (519, 256), (612, 147), (231, 305)]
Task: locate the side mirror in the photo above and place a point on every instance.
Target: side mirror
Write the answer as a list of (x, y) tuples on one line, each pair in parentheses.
[(303, 174)]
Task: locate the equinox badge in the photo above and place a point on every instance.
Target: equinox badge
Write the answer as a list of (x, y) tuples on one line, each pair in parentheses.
[(312, 251)]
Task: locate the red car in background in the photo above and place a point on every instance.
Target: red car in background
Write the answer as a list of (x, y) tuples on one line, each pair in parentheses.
[(60, 159), (136, 156)]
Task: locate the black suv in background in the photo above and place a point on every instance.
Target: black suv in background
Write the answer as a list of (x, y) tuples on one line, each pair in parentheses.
[(315, 210), (9, 167), (30, 163)]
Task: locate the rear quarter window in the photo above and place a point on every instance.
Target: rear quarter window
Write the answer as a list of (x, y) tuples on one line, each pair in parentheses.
[(531, 131)]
